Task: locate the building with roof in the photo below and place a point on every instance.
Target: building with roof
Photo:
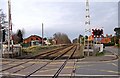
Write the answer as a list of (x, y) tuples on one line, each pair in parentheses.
[(35, 40)]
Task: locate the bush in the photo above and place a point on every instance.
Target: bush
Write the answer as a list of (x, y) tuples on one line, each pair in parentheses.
[(34, 49), (118, 45), (26, 50), (109, 44), (25, 44), (100, 53)]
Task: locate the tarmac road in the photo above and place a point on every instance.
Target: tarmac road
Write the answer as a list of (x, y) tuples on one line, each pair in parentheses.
[(107, 65), (113, 50), (100, 68)]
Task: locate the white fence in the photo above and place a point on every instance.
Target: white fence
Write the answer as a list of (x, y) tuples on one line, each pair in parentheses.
[(15, 50)]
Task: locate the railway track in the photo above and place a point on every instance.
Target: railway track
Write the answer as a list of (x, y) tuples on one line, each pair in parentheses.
[(47, 54), (44, 55), (61, 53), (63, 65), (22, 62), (50, 62)]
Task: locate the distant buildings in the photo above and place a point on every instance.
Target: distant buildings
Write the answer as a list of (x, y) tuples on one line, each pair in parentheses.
[(35, 40), (105, 40), (32, 38)]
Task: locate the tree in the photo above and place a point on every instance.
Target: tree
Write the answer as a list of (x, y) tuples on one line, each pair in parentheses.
[(2, 25), (86, 37), (50, 40), (2, 18), (117, 30), (117, 33), (61, 38), (20, 35), (16, 39), (80, 38), (75, 40)]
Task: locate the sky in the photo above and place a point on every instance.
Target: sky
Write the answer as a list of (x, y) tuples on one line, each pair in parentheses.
[(65, 16)]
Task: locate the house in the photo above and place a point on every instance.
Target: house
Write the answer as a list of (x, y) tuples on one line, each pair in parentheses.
[(33, 40), (54, 41), (90, 38), (105, 40)]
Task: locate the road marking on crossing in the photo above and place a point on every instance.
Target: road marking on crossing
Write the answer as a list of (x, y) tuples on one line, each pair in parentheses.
[(114, 64), (83, 62), (56, 62), (48, 70), (110, 71), (5, 72), (18, 74), (37, 62), (79, 66), (12, 64), (67, 67), (22, 66), (4, 62), (94, 75)]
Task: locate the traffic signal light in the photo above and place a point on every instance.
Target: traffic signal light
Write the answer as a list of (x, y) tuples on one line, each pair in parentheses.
[(97, 32), (93, 33), (3, 36), (101, 31)]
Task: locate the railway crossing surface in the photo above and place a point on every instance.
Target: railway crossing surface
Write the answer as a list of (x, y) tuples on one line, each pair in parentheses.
[(29, 68), (100, 66)]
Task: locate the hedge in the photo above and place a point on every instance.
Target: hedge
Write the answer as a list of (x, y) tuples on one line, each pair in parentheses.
[(109, 44)]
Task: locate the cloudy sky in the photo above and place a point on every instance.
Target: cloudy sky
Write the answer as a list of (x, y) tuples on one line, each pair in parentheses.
[(66, 16)]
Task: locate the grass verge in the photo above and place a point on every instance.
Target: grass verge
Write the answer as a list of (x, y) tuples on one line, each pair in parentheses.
[(100, 53)]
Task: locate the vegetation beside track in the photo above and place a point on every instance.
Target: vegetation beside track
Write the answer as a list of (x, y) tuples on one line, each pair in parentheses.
[(50, 52), (79, 52), (100, 54), (35, 50)]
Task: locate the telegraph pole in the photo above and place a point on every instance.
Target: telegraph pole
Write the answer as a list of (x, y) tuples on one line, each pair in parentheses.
[(42, 35)]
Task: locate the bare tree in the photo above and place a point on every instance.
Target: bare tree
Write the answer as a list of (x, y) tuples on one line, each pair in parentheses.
[(2, 18), (75, 40), (61, 38), (3, 23)]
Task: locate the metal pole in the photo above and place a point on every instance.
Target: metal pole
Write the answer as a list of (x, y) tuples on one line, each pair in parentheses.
[(9, 23), (87, 23), (88, 43), (42, 34), (84, 41)]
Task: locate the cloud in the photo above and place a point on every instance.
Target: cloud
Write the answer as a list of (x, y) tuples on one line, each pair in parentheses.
[(61, 16)]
